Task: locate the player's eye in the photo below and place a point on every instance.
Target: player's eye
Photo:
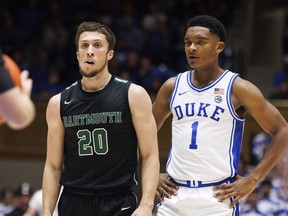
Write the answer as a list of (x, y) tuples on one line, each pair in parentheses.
[(84, 45), (187, 43), (98, 45), (201, 42)]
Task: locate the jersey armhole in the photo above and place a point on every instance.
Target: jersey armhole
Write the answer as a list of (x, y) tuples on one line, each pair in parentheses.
[(174, 92), (229, 96)]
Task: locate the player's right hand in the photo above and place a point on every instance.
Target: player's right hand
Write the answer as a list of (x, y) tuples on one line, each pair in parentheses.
[(166, 188)]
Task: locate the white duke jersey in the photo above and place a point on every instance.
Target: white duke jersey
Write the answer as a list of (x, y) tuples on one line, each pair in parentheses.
[(206, 131)]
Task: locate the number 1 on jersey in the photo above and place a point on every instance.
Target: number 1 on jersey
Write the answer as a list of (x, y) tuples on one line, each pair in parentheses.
[(193, 144)]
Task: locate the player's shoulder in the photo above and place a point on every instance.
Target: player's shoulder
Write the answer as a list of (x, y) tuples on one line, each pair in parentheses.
[(119, 84), (54, 100), (167, 87), (170, 82), (246, 92), (136, 90), (243, 84), (70, 91)]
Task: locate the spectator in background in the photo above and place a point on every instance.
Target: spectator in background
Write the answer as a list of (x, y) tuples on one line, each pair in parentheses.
[(260, 142), (265, 204), (151, 76), (6, 198), (131, 64), (281, 91), (280, 83), (22, 196), (280, 184), (250, 207), (130, 34), (9, 34)]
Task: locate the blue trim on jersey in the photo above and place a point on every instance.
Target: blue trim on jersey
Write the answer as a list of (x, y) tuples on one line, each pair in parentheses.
[(174, 90), (169, 158), (235, 145), (237, 130), (189, 81), (229, 96), (238, 136), (199, 184), (232, 168), (236, 209)]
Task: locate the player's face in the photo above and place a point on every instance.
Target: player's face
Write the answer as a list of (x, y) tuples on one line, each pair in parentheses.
[(93, 54), (201, 47)]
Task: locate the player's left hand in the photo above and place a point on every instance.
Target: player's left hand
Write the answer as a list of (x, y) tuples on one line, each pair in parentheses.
[(242, 187)]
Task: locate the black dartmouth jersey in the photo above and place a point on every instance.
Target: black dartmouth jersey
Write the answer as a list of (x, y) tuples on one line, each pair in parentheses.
[(100, 140)]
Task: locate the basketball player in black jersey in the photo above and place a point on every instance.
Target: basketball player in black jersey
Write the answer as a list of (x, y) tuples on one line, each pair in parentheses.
[(16, 107), (95, 128)]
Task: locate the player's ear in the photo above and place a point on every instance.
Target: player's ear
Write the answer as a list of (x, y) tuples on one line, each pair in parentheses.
[(220, 47), (77, 55), (110, 54)]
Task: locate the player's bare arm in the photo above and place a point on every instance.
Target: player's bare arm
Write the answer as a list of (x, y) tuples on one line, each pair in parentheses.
[(53, 165), (161, 112), (270, 119), (161, 109), (145, 126)]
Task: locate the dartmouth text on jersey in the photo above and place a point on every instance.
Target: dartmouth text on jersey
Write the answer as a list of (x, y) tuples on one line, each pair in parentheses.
[(94, 118)]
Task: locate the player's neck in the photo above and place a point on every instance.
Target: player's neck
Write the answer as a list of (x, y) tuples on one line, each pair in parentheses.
[(95, 83), (202, 78)]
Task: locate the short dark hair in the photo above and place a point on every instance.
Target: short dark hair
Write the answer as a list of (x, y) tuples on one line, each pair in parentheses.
[(98, 27), (213, 24)]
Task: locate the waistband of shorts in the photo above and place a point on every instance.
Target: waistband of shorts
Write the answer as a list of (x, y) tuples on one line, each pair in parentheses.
[(199, 184), (101, 192)]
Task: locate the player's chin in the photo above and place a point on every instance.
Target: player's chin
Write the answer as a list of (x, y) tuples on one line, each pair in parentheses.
[(192, 63), (88, 73)]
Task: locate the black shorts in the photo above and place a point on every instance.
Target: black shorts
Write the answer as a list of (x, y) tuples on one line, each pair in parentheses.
[(78, 203)]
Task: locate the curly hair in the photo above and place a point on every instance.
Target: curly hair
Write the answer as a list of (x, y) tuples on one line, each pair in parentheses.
[(213, 24)]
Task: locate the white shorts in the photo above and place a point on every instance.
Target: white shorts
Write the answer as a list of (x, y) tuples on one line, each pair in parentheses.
[(196, 202)]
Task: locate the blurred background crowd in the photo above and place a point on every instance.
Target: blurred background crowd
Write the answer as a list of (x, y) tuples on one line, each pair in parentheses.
[(39, 36)]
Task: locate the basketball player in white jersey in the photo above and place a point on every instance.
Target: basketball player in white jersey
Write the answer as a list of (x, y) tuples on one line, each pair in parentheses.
[(208, 105)]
